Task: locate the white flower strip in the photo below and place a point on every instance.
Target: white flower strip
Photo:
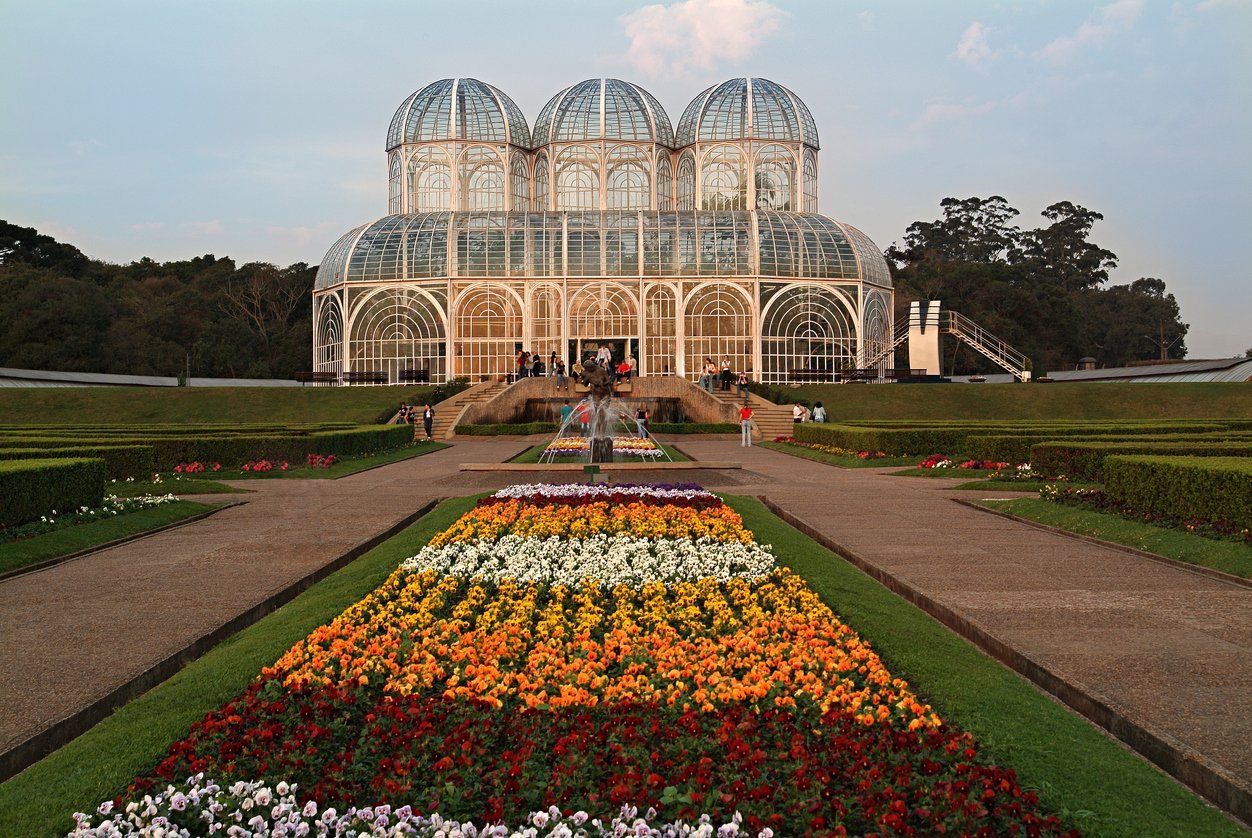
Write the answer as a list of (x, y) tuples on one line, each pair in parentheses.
[(610, 560), (201, 807), (523, 491)]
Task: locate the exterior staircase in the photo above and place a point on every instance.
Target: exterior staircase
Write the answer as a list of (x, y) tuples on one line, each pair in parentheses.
[(986, 344), (449, 411), (769, 420)]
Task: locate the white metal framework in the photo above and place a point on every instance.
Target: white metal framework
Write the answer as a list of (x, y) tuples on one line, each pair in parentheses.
[(603, 225)]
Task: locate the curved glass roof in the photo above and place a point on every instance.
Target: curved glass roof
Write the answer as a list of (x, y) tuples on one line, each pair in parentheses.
[(603, 109), (458, 109), (747, 108), (561, 244)]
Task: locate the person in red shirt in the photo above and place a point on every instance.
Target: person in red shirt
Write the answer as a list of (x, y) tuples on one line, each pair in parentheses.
[(745, 423)]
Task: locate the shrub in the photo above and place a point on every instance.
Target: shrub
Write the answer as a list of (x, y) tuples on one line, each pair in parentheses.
[(120, 461), (1204, 488), (1084, 459), (508, 429), (694, 428), (32, 488)]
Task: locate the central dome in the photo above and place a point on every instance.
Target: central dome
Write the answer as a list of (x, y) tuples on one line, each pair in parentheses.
[(603, 109), (458, 109), (747, 109)]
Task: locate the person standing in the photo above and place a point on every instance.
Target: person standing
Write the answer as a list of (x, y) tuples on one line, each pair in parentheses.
[(558, 369), (641, 416), (584, 419), (819, 412), (604, 357), (745, 425), (552, 363), (798, 412), (428, 421), (566, 412), (742, 384), (726, 373)]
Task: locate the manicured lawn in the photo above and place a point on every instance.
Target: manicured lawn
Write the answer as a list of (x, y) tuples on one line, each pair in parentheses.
[(1028, 401), (532, 454), (1077, 771), (1018, 485), (235, 405), (342, 468), (848, 461), (27, 551), (171, 485), (1229, 556), (100, 763)]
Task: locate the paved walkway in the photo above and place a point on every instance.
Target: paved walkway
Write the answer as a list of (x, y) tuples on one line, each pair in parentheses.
[(1172, 648)]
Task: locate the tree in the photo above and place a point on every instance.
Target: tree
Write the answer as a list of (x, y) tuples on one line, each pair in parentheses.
[(1061, 253)]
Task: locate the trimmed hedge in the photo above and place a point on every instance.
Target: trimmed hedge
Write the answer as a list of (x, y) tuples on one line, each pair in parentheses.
[(1017, 448), (1084, 460), (507, 429), (1205, 488), (120, 461), (693, 428), (31, 488), (170, 450)]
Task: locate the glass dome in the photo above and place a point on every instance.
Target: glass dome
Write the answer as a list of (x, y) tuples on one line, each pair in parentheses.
[(603, 109), (747, 109), (458, 109)]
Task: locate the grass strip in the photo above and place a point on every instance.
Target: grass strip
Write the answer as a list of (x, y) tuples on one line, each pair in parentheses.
[(71, 539), (1226, 556), (532, 455), (840, 460), (171, 486), (1019, 485), (100, 763), (342, 467), (1080, 773)]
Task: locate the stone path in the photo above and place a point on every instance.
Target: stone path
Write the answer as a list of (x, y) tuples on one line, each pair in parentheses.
[(1173, 649)]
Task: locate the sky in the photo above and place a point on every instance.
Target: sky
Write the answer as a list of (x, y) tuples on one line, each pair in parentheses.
[(256, 129)]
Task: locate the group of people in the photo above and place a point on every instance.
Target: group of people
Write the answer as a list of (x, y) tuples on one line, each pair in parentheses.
[(801, 413), (531, 365), (643, 418), (722, 375), (409, 414)]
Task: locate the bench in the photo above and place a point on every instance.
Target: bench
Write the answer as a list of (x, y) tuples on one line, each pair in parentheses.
[(317, 377), (365, 377), (421, 376)]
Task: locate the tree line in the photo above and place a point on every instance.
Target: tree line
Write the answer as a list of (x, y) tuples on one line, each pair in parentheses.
[(1043, 290)]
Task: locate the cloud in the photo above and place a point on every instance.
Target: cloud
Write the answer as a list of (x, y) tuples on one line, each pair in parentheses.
[(1107, 21), (697, 34), (202, 228), (937, 112), (973, 48), (867, 19)]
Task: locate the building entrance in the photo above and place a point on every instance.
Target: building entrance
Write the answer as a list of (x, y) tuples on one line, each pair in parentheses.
[(581, 349)]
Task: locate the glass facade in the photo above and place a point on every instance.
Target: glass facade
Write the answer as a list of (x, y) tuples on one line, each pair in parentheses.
[(602, 223)]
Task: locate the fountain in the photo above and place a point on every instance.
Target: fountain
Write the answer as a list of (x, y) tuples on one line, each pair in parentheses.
[(604, 415)]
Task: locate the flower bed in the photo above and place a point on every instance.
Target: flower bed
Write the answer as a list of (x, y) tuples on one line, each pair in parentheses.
[(625, 446), (586, 648), (831, 449)]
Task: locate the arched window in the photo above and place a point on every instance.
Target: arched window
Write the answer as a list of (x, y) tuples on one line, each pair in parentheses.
[(660, 345), (519, 183), (488, 328), (603, 310), (627, 187), (430, 181), (578, 179), (810, 181), (481, 179), (686, 181), (542, 201), (664, 183), (722, 182), (393, 185), (328, 352), (774, 178), (396, 329), (806, 332), (876, 335), (717, 321), (545, 322)]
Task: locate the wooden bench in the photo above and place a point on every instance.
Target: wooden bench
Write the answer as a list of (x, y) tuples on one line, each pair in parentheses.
[(317, 377), (421, 376), (365, 377)]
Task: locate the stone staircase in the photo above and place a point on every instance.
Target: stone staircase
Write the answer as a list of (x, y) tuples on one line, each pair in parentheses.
[(769, 420), (448, 412)]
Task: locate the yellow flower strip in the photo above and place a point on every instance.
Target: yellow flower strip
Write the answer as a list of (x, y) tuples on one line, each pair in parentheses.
[(642, 520), (692, 645)]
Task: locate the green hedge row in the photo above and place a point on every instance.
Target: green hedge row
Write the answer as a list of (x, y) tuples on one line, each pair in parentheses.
[(1084, 459), (169, 451), (120, 461), (693, 428), (31, 488), (507, 429), (1017, 448), (1206, 488)]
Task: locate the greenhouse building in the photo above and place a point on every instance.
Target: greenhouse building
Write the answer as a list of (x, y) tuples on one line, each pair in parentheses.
[(603, 225)]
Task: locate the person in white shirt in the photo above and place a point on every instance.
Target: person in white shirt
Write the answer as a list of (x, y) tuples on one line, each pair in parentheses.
[(798, 413), (604, 355), (819, 412)]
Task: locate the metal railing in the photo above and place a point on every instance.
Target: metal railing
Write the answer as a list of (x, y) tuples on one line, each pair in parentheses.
[(986, 344)]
